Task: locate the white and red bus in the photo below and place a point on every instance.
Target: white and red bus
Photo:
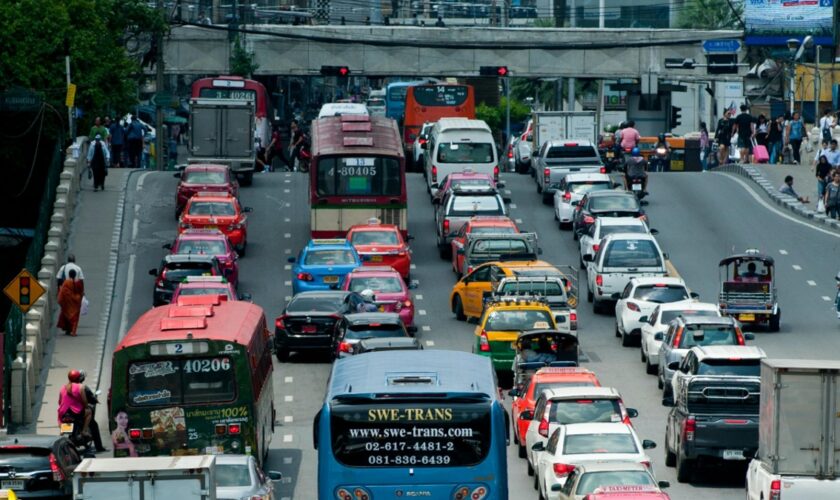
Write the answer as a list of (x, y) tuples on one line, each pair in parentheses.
[(236, 87), (357, 173)]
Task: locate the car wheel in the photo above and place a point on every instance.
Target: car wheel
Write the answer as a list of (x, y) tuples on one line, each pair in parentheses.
[(530, 469), (775, 319), (589, 295), (642, 354), (521, 453), (537, 482), (458, 308), (282, 354), (596, 307), (685, 469), (547, 198), (617, 331), (565, 226), (443, 251), (659, 383), (626, 340), (649, 368), (241, 251), (555, 216), (667, 392), (670, 456), (574, 234)]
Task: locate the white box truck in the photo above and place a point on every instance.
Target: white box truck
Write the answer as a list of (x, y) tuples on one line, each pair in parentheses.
[(222, 132), (560, 125), (799, 427), (146, 478)]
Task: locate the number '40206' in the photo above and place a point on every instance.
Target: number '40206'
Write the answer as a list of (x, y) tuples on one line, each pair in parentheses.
[(207, 365)]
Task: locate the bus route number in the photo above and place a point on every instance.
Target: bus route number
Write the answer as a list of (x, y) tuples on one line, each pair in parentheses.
[(207, 365)]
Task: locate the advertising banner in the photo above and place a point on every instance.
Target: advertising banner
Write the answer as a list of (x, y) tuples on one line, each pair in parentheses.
[(773, 22)]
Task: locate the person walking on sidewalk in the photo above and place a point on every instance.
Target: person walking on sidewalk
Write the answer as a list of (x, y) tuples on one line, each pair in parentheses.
[(71, 265), (832, 196), (98, 158), (134, 135), (826, 122), (774, 139), (70, 301), (745, 128), (723, 136), (704, 146), (98, 129), (117, 134), (823, 170), (796, 134), (787, 188)]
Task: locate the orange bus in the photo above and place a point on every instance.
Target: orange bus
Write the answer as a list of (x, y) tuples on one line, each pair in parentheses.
[(432, 101)]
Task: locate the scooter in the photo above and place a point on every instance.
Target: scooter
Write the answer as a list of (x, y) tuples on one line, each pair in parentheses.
[(659, 159), (637, 187)]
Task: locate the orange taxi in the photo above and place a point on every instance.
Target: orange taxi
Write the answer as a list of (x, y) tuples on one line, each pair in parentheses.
[(215, 211), (381, 245), (478, 225), (525, 398)]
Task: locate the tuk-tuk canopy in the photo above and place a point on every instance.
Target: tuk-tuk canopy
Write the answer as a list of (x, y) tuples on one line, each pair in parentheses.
[(741, 258)]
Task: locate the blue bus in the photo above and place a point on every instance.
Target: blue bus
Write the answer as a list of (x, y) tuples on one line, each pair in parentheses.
[(395, 99), (406, 424)]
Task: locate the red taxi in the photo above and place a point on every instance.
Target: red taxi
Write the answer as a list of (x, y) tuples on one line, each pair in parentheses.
[(478, 225), (222, 212), (627, 492), (466, 180), (381, 245), (206, 178), (209, 242), (525, 398), (392, 294), (205, 285)]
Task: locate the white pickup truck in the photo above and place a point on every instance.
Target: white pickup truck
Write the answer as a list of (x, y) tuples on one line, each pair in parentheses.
[(557, 291), (797, 457)]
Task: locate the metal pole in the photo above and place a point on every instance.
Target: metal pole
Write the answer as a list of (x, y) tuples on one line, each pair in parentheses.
[(570, 97), (70, 123), (160, 82), (602, 5), (599, 126), (792, 83), (507, 112), (816, 87)]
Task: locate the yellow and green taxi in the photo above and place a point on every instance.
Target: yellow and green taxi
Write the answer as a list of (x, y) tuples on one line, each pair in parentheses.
[(503, 320), (469, 293)]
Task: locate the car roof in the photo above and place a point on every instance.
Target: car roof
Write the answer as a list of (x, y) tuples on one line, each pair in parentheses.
[(689, 319), (598, 428), (688, 305), (222, 286), (212, 196), (234, 459), (629, 236), (373, 317), (549, 374), (609, 192), (582, 392), (204, 234), (369, 226), (469, 174), (322, 293), (374, 271), (606, 465), (194, 167), (619, 221), (652, 280), (587, 177), (491, 221), (390, 343), (329, 244), (187, 257), (728, 352)]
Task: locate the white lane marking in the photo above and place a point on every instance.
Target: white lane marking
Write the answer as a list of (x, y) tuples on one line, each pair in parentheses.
[(797, 267), (414, 266), (287, 298), (507, 191), (289, 398), (287, 267), (288, 282), (430, 343), (141, 180), (129, 286), (783, 252), (287, 181), (826, 298), (812, 282), (288, 380), (135, 228), (288, 205), (778, 212), (288, 419), (287, 190), (421, 312), (288, 174), (513, 205), (287, 438), (137, 209), (287, 235), (287, 460), (518, 221), (419, 296), (288, 250), (426, 328), (286, 219)]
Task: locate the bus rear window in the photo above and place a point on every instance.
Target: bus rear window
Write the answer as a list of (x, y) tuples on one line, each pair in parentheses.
[(181, 381), (372, 176), (440, 95), (411, 434)]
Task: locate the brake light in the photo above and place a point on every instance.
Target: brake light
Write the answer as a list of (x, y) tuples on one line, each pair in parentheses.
[(599, 280), (573, 321), (234, 227), (58, 474), (740, 337), (422, 141), (483, 343), (546, 174), (689, 426), (279, 324), (633, 307), (775, 489), (135, 433), (345, 347), (677, 337), (445, 226), (304, 277), (567, 196), (234, 429), (434, 173), (543, 427), (588, 219), (596, 247), (570, 144), (562, 470), (496, 173), (510, 151), (603, 170), (733, 421), (406, 303)]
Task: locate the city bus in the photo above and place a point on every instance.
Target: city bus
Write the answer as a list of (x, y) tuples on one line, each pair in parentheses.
[(236, 87), (194, 377), (395, 99), (411, 424), (433, 101), (357, 173)]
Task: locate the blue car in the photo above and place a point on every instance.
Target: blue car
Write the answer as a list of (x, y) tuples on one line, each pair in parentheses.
[(323, 265)]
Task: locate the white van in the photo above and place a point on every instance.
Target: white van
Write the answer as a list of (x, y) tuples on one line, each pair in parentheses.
[(458, 144), (376, 103), (342, 108)]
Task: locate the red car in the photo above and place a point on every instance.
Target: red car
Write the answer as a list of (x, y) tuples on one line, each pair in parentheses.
[(525, 398), (627, 493), (478, 225), (467, 180), (209, 242), (206, 285), (204, 177), (381, 245), (392, 294), (222, 212)]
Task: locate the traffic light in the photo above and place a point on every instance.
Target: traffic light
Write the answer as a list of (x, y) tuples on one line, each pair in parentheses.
[(676, 116), (335, 70), (500, 71), (25, 297)]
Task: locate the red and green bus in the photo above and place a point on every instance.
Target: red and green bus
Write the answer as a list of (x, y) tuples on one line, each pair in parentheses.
[(357, 174), (194, 377)]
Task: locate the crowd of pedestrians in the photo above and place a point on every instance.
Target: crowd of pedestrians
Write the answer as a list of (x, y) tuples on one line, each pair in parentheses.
[(122, 141)]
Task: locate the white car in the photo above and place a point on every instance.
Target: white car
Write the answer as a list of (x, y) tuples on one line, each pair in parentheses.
[(638, 300), (590, 241), (653, 330), (573, 444), (571, 190), (522, 152), (419, 141), (342, 108), (717, 360)]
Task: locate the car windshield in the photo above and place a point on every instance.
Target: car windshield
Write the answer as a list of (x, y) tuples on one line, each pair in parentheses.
[(620, 203), (591, 481), (463, 206), (178, 271), (585, 187), (374, 238), (329, 257), (708, 335), (584, 444), (667, 316), (518, 320), (740, 368), (311, 304), (565, 383), (379, 284), (659, 294), (572, 152), (374, 330), (377, 102), (208, 247), (492, 230), (205, 177), (500, 246), (228, 475), (632, 253), (218, 208), (583, 410), (471, 183), (465, 152)]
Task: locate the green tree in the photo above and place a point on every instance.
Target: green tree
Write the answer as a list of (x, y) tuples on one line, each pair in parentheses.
[(711, 14), (241, 61)]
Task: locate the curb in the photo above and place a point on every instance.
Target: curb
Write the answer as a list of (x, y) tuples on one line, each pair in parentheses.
[(780, 199)]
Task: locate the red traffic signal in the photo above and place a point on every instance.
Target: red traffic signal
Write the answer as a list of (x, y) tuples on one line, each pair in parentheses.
[(500, 71), (335, 70)]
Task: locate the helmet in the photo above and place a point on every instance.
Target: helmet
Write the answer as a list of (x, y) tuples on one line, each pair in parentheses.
[(662, 137), (82, 376), (635, 152), (367, 294), (74, 376)]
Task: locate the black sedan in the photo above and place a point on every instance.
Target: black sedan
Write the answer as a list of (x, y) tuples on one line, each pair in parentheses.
[(354, 328), (38, 466), (611, 203), (309, 320), (175, 268)]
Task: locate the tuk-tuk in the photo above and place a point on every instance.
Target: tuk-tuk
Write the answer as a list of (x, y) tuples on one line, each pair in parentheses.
[(536, 349), (748, 289)]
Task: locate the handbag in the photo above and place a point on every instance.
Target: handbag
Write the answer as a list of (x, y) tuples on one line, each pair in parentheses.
[(85, 305), (821, 206)]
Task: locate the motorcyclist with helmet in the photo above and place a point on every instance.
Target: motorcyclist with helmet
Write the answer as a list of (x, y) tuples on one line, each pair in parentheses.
[(92, 402), (369, 304), (73, 404), (661, 155), (635, 167)]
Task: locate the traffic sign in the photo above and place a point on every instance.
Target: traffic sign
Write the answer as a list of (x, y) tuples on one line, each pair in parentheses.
[(24, 290), (70, 100), (721, 46)]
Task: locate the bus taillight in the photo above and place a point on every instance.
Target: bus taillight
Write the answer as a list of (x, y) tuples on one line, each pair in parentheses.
[(135, 433), (234, 429), (221, 429)]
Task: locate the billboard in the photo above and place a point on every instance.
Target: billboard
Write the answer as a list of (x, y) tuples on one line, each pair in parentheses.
[(773, 22)]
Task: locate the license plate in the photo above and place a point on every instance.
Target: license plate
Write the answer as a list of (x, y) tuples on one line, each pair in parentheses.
[(14, 484), (211, 227), (746, 317), (309, 329), (733, 455), (66, 428), (330, 279), (376, 258), (637, 187)]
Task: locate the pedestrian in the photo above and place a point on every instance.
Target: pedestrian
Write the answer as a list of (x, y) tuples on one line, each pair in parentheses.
[(630, 136), (787, 188), (70, 302), (343, 21), (774, 139), (261, 163), (275, 149), (823, 171), (822, 150), (745, 128), (723, 136), (826, 124), (296, 142), (704, 146), (202, 18), (832, 196), (796, 134), (135, 135), (99, 158), (63, 271), (117, 134), (98, 129), (761, 130), (440, 23)]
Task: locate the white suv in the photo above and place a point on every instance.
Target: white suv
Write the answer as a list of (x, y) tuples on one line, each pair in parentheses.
[(638, 300)]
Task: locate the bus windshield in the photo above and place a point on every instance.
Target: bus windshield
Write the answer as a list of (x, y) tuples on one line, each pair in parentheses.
[(181, 381), (372, 176), (437, 434)]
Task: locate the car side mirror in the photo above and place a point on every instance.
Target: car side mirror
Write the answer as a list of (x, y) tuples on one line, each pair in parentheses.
[(435, 201), (665, 256), (538, 447), (409, 237), (667, 401), (290, 260), (749, 336), (694, 295), (167, 246), (153, 272), (245, 296), (413, 284), (659, 337), (647, 444), (526, 415), (588, 258), (539, 251), (643, 319), (654, 231), (575, 202), (674, 365), (500, 184), (177, 175), (632, 412), (435, 185), (615, 296), (247, 210), (274, 475), (506, 199), (664, 484)]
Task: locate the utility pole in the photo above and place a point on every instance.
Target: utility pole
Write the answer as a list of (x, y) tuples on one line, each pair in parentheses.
[(570, 97), (160, 82), (817, 85), (71, 124), (506, 81)]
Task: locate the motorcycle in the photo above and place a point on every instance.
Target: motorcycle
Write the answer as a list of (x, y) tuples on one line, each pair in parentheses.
[(659, 159), (637, 187), (72, 430)]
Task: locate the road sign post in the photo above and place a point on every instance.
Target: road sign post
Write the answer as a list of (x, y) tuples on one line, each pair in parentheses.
[(24, 290)]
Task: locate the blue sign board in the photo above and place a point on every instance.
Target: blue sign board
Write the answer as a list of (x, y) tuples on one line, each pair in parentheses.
[(721, 46)]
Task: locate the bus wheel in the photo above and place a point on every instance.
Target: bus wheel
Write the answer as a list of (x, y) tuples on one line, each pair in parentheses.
[(282, 354)]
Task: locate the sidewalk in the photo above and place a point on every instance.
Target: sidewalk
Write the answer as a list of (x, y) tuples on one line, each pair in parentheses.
[(95, 228)]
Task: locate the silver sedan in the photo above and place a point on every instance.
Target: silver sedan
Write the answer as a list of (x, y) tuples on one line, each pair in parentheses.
[(239, 476)]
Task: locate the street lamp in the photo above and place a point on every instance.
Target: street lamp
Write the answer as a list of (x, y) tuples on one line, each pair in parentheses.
[(796, 48)]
